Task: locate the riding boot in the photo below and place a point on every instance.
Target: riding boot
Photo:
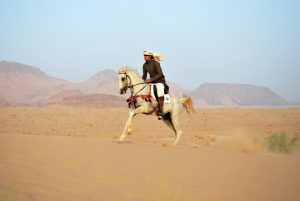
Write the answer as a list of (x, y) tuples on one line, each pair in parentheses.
[(160, 107)]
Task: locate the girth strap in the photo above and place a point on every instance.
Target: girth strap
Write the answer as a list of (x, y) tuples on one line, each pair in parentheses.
[(132, 100)]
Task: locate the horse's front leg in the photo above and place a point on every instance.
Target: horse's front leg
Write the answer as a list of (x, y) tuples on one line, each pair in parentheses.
[(128, 126)]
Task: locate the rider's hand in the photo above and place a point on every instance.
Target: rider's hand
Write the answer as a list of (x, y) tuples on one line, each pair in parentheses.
[(148, 80)]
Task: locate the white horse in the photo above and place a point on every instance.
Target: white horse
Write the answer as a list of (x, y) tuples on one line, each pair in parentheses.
[(141, 102)]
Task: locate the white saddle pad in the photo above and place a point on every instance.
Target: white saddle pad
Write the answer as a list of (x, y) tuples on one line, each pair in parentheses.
[(167, 98)]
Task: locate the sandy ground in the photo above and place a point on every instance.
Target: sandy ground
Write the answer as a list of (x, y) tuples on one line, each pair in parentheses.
[(72, 154)]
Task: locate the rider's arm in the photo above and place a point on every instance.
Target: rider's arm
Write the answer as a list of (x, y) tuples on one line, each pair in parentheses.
[(144, 73)]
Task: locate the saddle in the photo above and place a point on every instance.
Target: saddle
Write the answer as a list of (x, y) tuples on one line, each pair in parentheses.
[(153, 94)]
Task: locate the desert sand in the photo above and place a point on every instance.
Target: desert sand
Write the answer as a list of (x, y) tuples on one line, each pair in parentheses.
[(73, 154)]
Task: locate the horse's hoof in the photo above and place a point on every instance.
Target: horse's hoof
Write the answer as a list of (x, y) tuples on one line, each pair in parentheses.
[(168, 145), (120, 141)]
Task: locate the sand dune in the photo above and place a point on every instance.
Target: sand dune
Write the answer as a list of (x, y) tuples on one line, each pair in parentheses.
[(72, 154)]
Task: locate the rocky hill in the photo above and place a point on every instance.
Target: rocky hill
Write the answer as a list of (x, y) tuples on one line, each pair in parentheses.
[(216, 94), (77, 98), (59, 97), (25, 84), (104, 82)]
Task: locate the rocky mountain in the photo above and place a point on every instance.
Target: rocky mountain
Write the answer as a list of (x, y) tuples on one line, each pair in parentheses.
[(25, 84), (59, 97), (77, 98), (104, 82), (91, 100), (216, 94)]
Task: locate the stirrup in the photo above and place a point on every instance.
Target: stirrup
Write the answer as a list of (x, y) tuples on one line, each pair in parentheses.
[(160, 115)]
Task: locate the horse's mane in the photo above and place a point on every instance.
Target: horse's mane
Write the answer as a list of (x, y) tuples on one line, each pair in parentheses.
[(126, 69)]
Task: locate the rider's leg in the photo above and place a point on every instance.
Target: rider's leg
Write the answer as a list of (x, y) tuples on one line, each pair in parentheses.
[(160, 107), (160, 94)]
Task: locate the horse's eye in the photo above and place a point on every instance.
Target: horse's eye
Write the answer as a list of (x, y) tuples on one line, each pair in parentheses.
[(123, 79)]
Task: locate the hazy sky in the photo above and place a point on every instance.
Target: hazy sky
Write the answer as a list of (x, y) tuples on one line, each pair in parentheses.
[(227, 41)]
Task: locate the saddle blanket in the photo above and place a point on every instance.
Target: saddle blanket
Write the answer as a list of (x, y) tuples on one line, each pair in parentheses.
[(167, 98)]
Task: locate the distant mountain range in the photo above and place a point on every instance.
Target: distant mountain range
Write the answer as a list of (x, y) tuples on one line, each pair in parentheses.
[(210, 94), (25, 85)]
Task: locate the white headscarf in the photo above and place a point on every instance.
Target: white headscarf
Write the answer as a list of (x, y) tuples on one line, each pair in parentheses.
[(158, 57)]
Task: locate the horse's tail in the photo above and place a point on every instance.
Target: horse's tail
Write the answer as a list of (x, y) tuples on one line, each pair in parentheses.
[(187, 103)]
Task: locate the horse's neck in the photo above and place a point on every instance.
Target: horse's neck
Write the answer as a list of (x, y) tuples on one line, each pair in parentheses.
[(139, 86)]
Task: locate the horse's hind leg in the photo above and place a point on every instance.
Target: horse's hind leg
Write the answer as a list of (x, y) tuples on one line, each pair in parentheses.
[(178, 132), (172, 122), (168, 121)]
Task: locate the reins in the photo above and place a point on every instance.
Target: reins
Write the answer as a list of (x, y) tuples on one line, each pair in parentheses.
[(132, 98)]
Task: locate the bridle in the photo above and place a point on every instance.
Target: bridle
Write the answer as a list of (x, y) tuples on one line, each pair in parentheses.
[(127, 85), (131, 86)]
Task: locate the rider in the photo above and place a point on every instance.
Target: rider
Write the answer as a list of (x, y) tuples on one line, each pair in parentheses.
[(157, 77)]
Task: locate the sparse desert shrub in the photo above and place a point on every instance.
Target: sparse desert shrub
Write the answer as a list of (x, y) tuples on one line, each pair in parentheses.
[(282, 143)]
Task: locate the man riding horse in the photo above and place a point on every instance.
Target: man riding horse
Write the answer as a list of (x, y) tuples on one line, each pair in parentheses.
[(139, 103), (157, 78)]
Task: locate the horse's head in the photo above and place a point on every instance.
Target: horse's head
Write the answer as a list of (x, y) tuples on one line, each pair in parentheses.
[(130, 78), (124, 81)]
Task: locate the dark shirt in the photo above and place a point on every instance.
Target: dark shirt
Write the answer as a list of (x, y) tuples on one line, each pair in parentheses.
[(153, 68)]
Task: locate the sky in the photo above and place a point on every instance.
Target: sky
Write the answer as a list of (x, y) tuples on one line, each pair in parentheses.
[(253, 42)]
